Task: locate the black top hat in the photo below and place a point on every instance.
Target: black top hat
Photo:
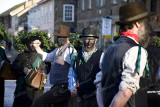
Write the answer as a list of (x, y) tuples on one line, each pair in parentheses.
[(89, 32), (132, 12)]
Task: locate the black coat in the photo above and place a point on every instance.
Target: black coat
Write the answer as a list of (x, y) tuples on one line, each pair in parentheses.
[(3, 57), (154, 63), (25, 59), (28, 93), (86, 74)]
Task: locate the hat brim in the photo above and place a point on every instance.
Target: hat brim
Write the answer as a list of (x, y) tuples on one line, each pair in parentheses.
[(89, 36), (134, 19), (61, 35)]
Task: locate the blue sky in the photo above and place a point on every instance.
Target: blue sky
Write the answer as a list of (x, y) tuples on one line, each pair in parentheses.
[(7, 4)]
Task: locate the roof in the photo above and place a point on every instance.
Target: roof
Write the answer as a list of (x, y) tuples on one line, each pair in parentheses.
[(9, 10)]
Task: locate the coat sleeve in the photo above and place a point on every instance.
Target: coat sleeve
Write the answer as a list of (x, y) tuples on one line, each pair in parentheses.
[(17, 65)]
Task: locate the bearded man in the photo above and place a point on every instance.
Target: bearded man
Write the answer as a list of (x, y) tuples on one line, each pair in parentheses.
[(86, 67), (60, 58), (124, 78)]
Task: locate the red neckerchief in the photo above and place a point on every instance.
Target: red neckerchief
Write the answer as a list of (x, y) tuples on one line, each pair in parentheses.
[(131, 34)]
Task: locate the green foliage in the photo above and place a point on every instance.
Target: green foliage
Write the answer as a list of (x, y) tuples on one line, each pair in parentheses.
[(23, 35), (3, 33), (116, 36), (75, 41), (158, 42)]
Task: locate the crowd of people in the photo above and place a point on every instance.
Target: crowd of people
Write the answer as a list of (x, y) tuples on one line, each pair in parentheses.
[(120, 76)]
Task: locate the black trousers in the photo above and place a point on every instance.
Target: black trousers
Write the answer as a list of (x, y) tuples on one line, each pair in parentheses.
[(2, 92), (92, 102), (154, 99), (58, 96), (25, 98)]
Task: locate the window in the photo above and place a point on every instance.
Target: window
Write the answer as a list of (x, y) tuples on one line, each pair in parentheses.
[(124, 0), (153, 5), (68, 13), (97, 3), (114, 1), (102, 3), (89, 4), (82, 4)]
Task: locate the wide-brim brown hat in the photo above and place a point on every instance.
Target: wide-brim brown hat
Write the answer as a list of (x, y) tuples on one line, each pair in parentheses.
[(64, 31), (132, 12), (89, 32)]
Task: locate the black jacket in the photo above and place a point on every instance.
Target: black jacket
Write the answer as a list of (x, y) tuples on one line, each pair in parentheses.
[(154, 64), (86, 73), (25, 59), (112, 71)]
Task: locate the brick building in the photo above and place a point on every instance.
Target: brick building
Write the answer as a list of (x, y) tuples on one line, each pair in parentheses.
[(91, 12)]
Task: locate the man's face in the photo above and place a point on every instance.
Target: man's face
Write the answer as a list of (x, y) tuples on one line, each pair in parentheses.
[(33, 45), (61, 41), (145, 33), (89, 43)]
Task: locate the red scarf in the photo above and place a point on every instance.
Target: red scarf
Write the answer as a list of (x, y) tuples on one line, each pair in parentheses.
[(131, 34)]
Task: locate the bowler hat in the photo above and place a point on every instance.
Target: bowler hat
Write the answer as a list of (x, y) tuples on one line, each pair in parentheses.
[(64, 31), (132, 12), (89, 32)]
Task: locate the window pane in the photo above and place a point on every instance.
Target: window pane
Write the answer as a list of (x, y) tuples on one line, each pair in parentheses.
[(153, 5), (68, 13)]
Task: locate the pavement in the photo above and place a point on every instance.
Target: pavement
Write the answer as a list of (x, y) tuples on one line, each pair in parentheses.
[(11, 84)]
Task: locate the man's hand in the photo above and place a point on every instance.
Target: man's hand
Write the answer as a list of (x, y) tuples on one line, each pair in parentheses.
[(36, 43), (74, 92), (26, 70), (44, 81)]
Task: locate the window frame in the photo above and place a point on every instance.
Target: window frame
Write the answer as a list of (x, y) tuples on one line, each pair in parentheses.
[(82, 4), (64, 17), (89, 4), (114, 1)]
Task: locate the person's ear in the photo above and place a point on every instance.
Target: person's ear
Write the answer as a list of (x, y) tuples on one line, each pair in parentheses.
[(96, 40), (138, 24)]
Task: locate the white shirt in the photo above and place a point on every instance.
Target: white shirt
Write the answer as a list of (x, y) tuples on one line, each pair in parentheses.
[(49, 57), (130, 78)]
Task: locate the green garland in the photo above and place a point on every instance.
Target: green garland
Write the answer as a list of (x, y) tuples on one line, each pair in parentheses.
[(158, 42), (3, 33), (23, 35), (75, 41)]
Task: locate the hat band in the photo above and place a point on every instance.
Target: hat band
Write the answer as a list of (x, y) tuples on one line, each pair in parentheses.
[(136, 17), (88, 35)]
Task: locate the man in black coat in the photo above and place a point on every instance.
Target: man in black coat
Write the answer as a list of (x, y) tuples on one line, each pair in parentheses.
[(154, 85), (24, 94), (86, 68), (124, 77), (2, 57)]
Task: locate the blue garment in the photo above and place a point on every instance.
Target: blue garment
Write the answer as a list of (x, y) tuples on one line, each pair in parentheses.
[(72, 76)]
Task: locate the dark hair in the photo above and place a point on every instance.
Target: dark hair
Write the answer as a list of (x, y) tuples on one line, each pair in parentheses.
[(130, 25)]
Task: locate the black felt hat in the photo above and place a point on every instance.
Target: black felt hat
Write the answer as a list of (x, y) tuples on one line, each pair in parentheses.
[(132, 12), (30, 39), (89, 32)]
